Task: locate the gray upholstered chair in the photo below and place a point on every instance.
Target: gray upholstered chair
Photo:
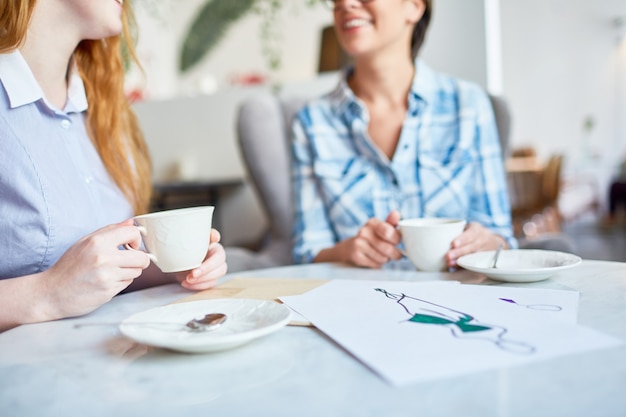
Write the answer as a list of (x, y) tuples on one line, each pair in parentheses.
[(263, 131), (264, 128), (503, 122)]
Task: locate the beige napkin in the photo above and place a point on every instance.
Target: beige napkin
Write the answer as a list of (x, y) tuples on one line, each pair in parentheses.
[(259, 289)]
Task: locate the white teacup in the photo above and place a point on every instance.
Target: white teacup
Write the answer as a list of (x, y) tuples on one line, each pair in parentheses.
[(427, 240), (176, 240)]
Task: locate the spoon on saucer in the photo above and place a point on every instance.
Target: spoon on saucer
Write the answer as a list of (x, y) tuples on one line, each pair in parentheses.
[(207, 323), (496, 256)]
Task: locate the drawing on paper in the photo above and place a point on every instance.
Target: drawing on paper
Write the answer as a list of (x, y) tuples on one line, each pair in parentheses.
[(461, 325), (543, 307)]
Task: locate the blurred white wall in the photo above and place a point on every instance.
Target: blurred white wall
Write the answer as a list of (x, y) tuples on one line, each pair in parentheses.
[(163, 26), (455, 44), (563, 65), (456, 40)]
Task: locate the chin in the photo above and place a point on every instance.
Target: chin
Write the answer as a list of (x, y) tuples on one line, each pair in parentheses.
[(112, 29)]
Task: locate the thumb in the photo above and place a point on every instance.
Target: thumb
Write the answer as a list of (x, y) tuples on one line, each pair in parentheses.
[(127, 222), (393, 218), (215, 236)]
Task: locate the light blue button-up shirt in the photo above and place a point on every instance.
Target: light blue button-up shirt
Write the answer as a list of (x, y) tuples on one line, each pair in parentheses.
[(447, 163), (54, 188)]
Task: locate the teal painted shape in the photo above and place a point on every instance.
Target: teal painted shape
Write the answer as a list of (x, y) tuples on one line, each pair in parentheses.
[(463, 324), (428, 319)]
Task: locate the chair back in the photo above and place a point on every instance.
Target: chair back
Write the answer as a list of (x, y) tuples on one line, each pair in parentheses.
[(263, 127), (502, 114)]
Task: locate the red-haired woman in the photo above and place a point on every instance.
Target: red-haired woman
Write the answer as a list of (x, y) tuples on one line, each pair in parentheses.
[(74, 166)]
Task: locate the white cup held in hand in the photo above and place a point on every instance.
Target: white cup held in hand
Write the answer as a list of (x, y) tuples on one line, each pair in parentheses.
[(176, 240), (427, 240)]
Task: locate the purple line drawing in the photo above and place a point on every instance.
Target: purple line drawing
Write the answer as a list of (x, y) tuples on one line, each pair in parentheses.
[(542, 307)]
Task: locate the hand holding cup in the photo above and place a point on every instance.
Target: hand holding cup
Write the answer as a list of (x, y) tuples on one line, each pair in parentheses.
[(176, 240), (427, 240)]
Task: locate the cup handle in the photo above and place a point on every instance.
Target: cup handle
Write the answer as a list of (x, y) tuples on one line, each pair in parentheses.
[(402, 251), (142, 230)]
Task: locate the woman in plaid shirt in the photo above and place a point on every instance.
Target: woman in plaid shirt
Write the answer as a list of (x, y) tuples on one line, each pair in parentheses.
[(394, 140)]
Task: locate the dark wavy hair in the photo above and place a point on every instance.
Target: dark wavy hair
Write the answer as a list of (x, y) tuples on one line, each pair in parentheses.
[(419, 31)]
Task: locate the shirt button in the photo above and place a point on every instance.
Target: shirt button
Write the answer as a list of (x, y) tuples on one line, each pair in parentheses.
[(65, 124), (89, 180)]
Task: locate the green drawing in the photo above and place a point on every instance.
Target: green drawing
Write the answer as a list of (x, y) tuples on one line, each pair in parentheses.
[(460, 324)]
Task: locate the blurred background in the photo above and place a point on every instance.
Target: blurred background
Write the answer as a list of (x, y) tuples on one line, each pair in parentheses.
[(559, 66)]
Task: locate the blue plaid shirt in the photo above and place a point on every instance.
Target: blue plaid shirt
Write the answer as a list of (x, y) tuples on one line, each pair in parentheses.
[(448, 163)]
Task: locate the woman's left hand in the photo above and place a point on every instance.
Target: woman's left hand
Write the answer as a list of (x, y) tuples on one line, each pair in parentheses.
[(214, 266), (474, 238)]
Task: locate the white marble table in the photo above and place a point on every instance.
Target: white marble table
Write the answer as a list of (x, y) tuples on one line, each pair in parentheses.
[(56, 369)]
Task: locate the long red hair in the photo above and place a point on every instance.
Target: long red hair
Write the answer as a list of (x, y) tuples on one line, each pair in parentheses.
[(111, 122)]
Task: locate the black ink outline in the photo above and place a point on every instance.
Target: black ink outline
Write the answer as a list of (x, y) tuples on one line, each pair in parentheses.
[(463, 325)]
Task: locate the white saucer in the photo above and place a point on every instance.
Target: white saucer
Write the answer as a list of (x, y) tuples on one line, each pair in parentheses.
[(519, 265), (246, 320)]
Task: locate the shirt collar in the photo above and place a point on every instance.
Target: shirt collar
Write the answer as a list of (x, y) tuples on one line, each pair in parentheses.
[(424, 88), (76, 96), (22, 88), (426, 82), (343, 98)]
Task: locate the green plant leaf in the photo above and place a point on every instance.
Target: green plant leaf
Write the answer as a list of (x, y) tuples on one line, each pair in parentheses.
[(212, 21)]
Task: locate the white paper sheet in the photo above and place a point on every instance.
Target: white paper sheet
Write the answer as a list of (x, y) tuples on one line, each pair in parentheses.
[(414, 332)]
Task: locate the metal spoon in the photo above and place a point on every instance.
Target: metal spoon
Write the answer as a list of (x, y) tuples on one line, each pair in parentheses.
[(210, 321), (207, 323), (495, 257)]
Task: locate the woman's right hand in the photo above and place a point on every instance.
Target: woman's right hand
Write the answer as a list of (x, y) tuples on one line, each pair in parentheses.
[(92, 271), (374, 245)]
